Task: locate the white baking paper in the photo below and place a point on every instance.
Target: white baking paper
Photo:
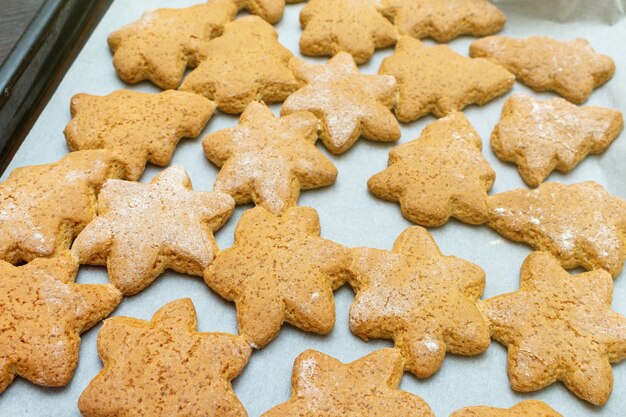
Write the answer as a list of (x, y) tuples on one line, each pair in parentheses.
[(349, 215)]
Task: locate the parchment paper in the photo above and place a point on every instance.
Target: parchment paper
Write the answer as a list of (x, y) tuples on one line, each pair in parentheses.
[(349, 215)]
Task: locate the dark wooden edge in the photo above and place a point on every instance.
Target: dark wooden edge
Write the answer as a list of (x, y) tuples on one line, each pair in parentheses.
[(37, 64)]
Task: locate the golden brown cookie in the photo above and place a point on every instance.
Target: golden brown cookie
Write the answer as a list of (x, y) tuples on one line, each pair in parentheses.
[(559, 327), (541, 136), (347, 103), (278, 270), (164, 42), (581, 224), (43, 207), (572, 69), (270, 10), (442, 174), (42, 314), (142, 229), (353, 26), (423, 300), (435, 79), (324, 387), (138, 127), (268, 160), (243, 65), (444, 20), (529, 408), (165, 367)]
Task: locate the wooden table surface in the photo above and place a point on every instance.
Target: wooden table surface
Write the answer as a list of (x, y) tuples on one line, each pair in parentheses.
[(14, 18)]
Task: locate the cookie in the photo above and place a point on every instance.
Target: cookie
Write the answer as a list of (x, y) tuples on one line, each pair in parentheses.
[(42, 314), (352, 26), (443, 20), (165, 42), (563, 329), (435, 79), (243, 65), (280, 269), (347, 103), (324, 387), (529, 408), (581, 224), (423, 300), (165, 367), (43, 207), (541, 136), (142, 229), (442, 174), (268, 160), (270, 10), (138, 127), (572, 68)]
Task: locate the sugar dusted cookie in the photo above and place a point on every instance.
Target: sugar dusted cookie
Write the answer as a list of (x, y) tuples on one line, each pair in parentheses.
[(423, 300), (165, 367), (245, 64), (268, 160), (164, 42), (444, 20), (44, 207), (42, 314), (324, 387), (559, 327), (581, 224), (353, 26), (139, 127), (142, 229), (278, 270), (435, 79), (572, 69), (442, 174), (529, 408), (347, 103), (540, 136)]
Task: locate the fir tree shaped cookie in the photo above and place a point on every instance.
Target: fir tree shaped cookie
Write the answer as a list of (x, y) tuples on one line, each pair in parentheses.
[(165, 367), (527, 408), (435, 79), (138, 127), (268, 160), (42, 314), (278, 270), (164, 42), (559, 327), (243, 65), (142, 229), (421, 299), (442, 174), (324, 387), (347, 103)]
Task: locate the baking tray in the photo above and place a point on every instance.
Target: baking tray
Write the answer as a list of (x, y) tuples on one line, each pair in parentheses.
[(349, 214)]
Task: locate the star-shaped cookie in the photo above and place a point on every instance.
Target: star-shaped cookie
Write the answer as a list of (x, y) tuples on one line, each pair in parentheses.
[(43, 207), (444, 20), (559, 327), (435, 79), (581, 224), (142, 229), (164, 42), (267, 159), (572, 68), (42, 314), (423, 300), (352, 26), (243, 65), (270, 10), (278, 270), (324, 387), (442, 174), (138, 127), (529, 408), (541, 136), (347, 103), (165, 367)]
